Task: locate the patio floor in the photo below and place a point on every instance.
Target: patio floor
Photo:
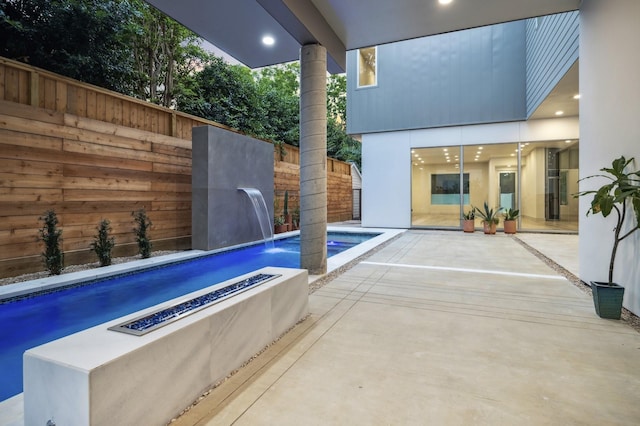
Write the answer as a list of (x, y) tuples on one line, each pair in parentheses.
[(442, 328)]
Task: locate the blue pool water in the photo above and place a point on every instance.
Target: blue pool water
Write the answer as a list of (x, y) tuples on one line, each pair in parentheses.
[(34, 321)]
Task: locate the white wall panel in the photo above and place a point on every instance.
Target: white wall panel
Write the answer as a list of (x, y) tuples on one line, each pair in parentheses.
[(609, 127)]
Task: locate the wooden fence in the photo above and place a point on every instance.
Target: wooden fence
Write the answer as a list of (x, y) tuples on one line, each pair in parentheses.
[(90, 154)]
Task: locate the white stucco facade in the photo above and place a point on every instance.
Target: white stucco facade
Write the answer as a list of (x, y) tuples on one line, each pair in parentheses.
[(386, 159), (609, 127)]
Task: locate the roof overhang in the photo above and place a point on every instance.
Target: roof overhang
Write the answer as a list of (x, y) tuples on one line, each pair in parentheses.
[(237, 27)]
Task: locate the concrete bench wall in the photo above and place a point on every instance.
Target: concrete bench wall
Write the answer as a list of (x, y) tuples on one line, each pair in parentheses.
[(104, 377)]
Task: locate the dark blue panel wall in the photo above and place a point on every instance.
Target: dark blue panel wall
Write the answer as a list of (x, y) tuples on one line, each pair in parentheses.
[(552, 47), (465, 77)]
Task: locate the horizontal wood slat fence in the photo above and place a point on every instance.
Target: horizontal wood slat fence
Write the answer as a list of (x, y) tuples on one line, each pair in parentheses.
[(91, 154)]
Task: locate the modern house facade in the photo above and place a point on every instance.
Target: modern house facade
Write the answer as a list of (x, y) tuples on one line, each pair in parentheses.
[(449, 122), (457, 119), (607, 127)]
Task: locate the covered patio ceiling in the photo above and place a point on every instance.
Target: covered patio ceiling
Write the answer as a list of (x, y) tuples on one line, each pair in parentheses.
[(238, 26)]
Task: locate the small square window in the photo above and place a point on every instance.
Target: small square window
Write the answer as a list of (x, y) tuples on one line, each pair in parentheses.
[(367, 64)]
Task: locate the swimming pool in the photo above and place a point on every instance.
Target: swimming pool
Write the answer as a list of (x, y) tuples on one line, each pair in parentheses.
[(29, 322)]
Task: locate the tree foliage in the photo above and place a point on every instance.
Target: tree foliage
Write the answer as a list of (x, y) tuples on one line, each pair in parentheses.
[(165, 53), (84, 40), (130, 47)]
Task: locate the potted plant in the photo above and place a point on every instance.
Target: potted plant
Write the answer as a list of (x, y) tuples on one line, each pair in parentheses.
[(279, 225), (469, 220), (489, 218), (621, 192), (510, 216)]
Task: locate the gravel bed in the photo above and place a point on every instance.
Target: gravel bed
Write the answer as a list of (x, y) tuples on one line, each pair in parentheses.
[(76, 268), (627, 317)]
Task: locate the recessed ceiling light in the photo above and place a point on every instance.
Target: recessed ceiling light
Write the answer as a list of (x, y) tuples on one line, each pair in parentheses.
[(480, 147), (448, 161), (445, 2), (513, 155), (576, 96), (567, 141), (422, 161), (445, 149), (268, 40), (559, 112), (413, 150)]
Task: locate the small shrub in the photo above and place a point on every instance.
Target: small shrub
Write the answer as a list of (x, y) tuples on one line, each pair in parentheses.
[(103, 244), (52, 237), (143, 224)]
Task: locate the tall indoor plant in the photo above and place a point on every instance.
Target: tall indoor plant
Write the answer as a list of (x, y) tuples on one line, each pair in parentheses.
[(621, 192)]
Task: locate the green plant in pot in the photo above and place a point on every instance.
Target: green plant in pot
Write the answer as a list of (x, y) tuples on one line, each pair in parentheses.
[(489, 216), (620, 195), (469, 220), (279, 225), (509, 219)]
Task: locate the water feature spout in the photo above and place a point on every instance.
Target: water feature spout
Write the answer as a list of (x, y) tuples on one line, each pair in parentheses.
[(262, 213)]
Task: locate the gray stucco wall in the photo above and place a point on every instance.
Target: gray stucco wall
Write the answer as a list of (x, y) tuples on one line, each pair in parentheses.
[(222, 162), (552, 48), (464, 77)]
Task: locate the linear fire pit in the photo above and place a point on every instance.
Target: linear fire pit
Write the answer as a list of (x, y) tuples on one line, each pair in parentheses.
[(164, 316), (101, 377)]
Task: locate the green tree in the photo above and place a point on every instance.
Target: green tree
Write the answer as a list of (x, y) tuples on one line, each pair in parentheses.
[(337, 98), (143, 224), (103, 243), (165, 54), (228, 95), (278, 87), (82, 39), (51, 236)]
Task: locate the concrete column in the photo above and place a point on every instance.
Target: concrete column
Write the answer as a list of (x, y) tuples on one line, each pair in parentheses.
[(609, 111), (313, 162)]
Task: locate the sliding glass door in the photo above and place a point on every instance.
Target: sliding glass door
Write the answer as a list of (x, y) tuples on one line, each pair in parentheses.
[(536, 178)]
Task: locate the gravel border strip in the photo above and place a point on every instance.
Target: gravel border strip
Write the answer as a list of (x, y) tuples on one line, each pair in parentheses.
[(81, 267), (627, 317)]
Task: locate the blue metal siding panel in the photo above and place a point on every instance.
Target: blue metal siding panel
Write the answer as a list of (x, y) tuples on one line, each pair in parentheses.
[(552, 48), (465, 77)]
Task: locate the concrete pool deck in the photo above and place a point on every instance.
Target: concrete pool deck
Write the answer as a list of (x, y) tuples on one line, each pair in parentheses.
[(442, 327)]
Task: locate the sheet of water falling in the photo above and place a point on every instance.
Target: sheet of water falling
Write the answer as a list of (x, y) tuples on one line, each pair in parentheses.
[(262, 214)]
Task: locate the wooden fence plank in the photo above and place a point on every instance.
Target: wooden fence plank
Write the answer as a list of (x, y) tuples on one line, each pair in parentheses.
[(61, 97), (29, 195), (10, 137), (2, 81), (10, 109), (37, 154)]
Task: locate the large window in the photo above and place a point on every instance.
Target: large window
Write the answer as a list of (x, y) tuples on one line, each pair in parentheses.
[(536, 178), (435, 188), (367, 64)]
